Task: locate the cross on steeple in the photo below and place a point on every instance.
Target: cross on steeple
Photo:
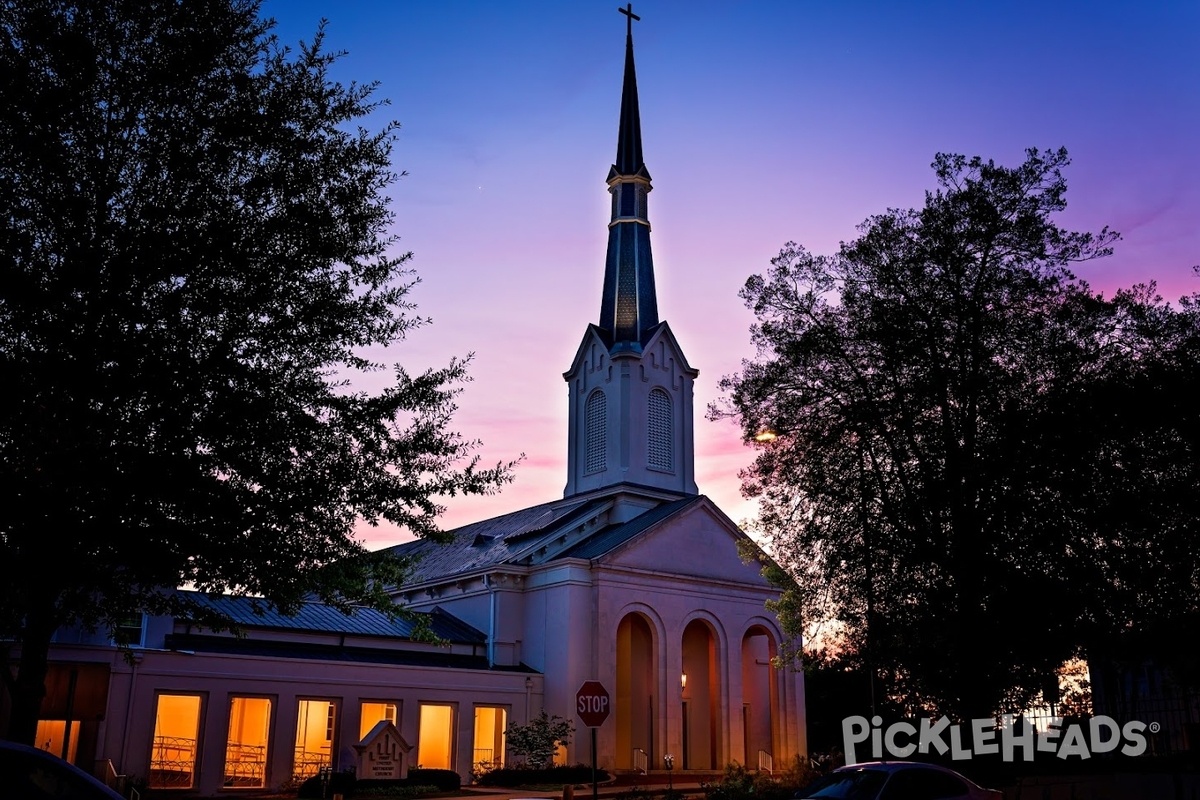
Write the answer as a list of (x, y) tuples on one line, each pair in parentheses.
[(628, 12)]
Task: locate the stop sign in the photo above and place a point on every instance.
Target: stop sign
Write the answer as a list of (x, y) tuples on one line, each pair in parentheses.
[(591, 704)]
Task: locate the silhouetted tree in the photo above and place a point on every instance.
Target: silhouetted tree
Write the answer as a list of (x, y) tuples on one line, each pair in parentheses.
[(195, 258), (981, 468)]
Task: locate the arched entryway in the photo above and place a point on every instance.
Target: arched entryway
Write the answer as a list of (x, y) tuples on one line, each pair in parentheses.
[(701, 713), (637, 682), (760, 695)]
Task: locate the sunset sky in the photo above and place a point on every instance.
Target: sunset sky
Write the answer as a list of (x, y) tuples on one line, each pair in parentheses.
[(762, 122)]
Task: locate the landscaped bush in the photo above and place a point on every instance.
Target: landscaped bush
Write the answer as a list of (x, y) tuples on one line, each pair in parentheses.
[(419, 781), (739, 783), (525, 776), (446, 780), (339, 783)]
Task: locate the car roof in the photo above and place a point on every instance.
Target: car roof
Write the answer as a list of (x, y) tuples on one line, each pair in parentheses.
[(29, 759), (894, 766)]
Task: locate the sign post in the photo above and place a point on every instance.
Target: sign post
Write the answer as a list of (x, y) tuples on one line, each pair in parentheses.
[(592, 705)]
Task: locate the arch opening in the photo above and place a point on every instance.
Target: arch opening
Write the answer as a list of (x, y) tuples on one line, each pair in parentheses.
[(701, 712), (637, 681)]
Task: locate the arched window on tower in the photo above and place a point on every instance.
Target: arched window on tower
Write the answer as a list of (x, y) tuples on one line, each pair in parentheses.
[(660, 450), (595, 433)]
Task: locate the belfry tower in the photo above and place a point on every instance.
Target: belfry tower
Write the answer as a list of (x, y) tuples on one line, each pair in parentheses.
[(630, 387)]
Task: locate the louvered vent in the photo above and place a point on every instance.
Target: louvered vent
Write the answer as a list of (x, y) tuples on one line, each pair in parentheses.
[(660, 449), (595, 433)]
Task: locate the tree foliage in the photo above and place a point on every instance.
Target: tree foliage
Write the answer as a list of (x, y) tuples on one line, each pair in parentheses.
[(196, 258), (538, 740), (982, 468)]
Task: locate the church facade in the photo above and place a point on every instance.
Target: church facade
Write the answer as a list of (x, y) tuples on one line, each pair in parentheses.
[(632, 578)]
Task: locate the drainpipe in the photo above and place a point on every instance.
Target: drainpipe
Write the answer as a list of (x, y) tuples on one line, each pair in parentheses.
[(136, 659), (490, 582)]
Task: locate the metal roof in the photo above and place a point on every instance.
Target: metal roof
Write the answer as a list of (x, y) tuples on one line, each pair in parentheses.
[(323, 652), (499, 540), (248, 612)]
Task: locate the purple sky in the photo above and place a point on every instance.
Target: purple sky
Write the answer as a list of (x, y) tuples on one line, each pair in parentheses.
[(762, 122)]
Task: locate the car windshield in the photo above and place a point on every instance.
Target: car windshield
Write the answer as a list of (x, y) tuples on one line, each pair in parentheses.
[(859, 784)]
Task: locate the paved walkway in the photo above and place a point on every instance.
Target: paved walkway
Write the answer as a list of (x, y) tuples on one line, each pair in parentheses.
[(657, 781)]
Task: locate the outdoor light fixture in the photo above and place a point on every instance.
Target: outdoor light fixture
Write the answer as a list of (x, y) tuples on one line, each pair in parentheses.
[(683, 681)]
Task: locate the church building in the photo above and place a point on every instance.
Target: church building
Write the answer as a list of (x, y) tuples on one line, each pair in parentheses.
[(632, 578)]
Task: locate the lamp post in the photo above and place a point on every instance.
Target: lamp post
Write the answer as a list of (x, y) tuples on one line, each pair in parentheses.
[(669, 760)]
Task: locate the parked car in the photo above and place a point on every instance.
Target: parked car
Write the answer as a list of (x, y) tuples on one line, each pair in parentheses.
[(895, 780), (27, 773)]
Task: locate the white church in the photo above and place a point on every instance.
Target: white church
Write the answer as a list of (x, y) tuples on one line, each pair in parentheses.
[(632, 579)]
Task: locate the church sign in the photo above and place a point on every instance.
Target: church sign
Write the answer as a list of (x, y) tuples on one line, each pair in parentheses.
[(383, 753)]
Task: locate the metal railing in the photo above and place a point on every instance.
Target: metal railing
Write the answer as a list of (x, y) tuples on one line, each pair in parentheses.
[(172, 762), (765, 762), (641, 761), (485, 759)]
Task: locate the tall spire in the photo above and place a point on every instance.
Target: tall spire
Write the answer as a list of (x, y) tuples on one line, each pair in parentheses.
[(628, 308), (631, 388), (629, 137)]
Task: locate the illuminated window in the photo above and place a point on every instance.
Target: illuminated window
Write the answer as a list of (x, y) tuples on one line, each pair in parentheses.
[(176, 731), (595, 433), (490, 722), (373, 714), (435, 742), (246, 747), (314, 737), (51, 734), (660, 447)]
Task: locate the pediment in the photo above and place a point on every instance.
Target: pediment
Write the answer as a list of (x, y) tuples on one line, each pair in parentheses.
[(699, 541)]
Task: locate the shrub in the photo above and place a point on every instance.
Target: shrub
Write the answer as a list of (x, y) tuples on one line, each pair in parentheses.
[(739, 783), (446, 780), (419, 781), (508, 777), (339, 782), (540, 739)]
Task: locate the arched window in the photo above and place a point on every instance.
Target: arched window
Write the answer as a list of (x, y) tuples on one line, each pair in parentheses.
[(595, 433), (660, 450)]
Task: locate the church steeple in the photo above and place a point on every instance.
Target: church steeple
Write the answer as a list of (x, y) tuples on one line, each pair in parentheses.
[(628, 307), (630, 386)]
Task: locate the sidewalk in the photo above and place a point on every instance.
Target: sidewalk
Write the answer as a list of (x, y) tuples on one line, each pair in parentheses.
[(582, 792), (621, 784)]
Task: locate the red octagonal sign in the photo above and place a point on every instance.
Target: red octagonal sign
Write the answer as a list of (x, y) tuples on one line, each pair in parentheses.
[(592, 704)]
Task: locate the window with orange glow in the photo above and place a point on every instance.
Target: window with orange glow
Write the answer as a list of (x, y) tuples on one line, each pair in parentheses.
[(176, 731), (372, 714), (246, 747), (490, 722), (435, 744), (314, 737), (50, 736)]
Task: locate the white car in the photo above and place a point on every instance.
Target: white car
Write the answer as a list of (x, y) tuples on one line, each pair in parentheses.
[(895, 780)]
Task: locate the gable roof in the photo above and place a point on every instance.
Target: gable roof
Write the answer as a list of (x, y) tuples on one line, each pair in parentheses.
[(613, 536), (539, 534), (500, 540)]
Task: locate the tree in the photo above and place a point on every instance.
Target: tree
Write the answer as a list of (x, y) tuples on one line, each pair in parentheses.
[(539, 739), (196, 261), (961, 480)]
